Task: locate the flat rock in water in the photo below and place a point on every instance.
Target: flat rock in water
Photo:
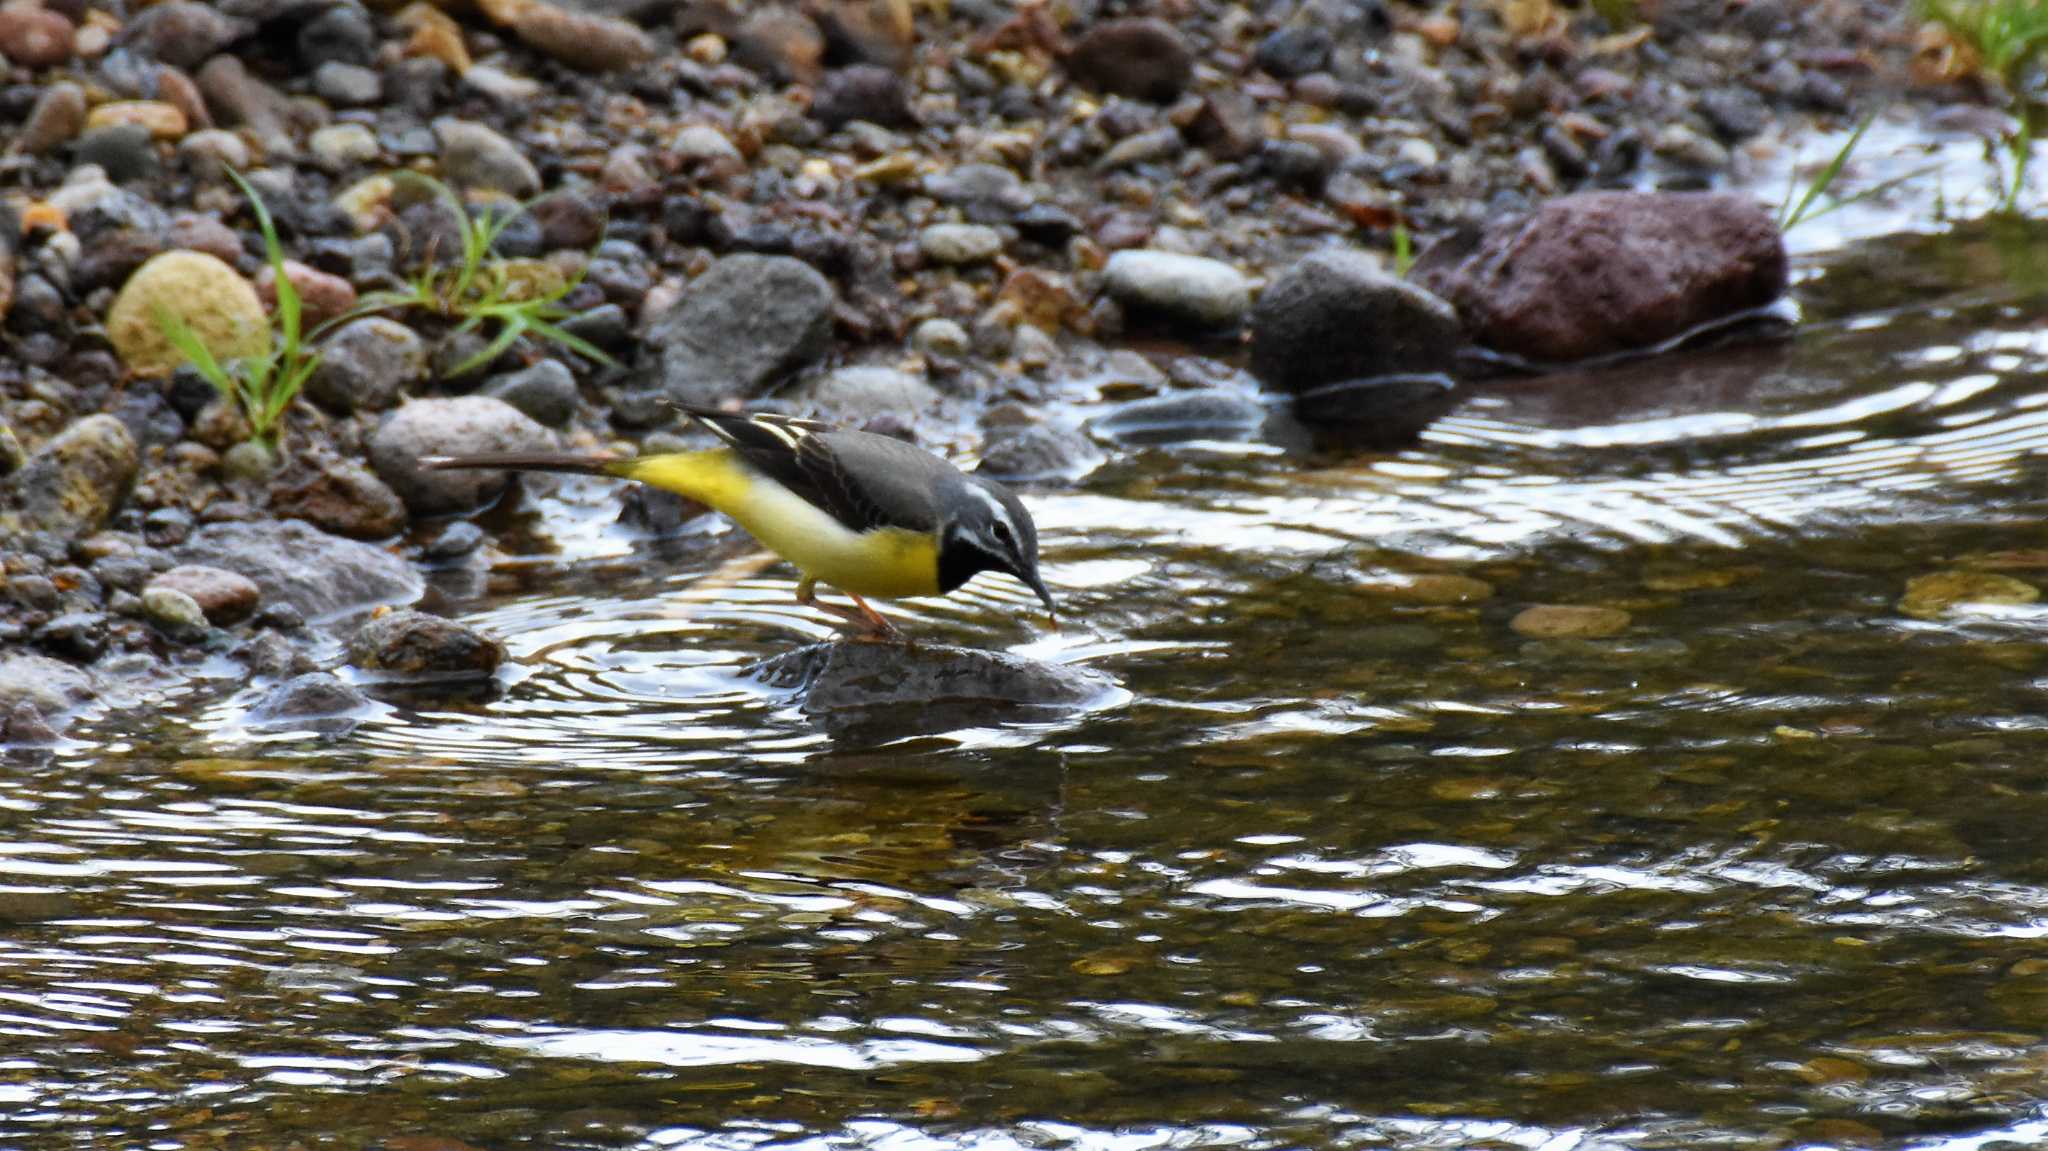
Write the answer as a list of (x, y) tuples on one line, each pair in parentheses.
[(851, 676), (317, 699), (49, 685), (298, 564), (415, 644), (450, 426), (1182, 416), (1599, 273), (1192, 293)]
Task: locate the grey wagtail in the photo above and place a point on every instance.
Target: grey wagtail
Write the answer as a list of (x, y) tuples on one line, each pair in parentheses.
[(864, 513)]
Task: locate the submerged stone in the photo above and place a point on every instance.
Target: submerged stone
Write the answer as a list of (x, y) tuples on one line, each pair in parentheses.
[(857, 677)]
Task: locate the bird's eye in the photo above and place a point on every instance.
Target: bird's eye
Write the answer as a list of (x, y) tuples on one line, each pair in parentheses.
[(1002, 533)]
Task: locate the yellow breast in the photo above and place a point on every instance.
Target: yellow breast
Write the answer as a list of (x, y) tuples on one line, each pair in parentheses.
[(887, 563)]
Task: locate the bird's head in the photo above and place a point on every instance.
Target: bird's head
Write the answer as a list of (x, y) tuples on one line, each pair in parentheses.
[(987, 529)]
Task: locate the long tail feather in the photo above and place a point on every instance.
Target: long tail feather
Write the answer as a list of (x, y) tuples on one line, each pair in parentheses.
[(526, 462)]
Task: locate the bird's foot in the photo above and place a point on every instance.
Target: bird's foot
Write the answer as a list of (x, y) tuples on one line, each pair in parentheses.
[(861, 623)]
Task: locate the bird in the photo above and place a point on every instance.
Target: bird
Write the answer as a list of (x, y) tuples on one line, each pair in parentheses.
[(868, 514)]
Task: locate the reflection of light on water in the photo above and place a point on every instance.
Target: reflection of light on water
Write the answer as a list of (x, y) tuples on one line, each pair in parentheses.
[(711, 1049)]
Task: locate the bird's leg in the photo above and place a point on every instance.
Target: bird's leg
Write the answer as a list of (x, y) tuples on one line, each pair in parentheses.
[(867, 622), (876, 621)]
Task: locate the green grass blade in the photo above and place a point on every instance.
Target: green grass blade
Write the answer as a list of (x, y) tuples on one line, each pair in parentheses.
[(195, 351), (573, 342), (1826, 178), (514, 327)]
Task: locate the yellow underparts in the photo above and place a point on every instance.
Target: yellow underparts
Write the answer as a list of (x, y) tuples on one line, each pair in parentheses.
[(887, 563)]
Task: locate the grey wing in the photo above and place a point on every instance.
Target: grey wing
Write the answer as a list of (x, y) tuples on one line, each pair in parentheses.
[(865, 481)]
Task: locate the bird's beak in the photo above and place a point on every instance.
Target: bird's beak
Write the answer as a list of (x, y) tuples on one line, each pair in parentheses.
[(1031, 580)]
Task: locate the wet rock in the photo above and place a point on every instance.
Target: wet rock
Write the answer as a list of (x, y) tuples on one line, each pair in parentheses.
[(1189, 293), (840, 678), (1141, 58), (240, 99), (348, 85), (783, 45), (367, 364), (296, 564), (1294, 51), (456, 539), (322, 296), (452, 426), (343, 497), (863, 92), (339, 146), (741, 327), (1183, 416), (546, 391), (124, 152), (34, 37), (25, 726), (174, 613), (1336, 316), (49, 685), (340, 35), (212, 154), (181, 33), (1377, 412), (1570, 621), (213, 299), (592, 41), (940, 337), (855, 394), (225, 597), (414, 644), (79, 635), (163, 121), (1037, 453), (167, 527), (1935, 595), (959, 243), (1600, 273), (58, 116), (316, 695), (475, 156), (73, 483)]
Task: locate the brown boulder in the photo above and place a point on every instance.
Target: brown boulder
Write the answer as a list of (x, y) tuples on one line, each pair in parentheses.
[(1599, 273)]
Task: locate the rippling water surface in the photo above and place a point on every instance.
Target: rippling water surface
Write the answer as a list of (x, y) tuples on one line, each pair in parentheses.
[(1348, 861)]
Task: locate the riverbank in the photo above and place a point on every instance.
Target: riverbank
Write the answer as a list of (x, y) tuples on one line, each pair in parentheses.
[(953, 223)]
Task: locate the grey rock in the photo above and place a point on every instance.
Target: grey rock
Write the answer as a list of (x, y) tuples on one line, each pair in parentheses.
[(546, 391), (741, 327), (455, 426), (294, 563), (348, 85), (1183, 416), (1376, 413), (210, 154), (225, 597), (180, 33), (1191, 293), (1294, 51), (73, 483), (343, 497), (960, 243), (1336, 315), (49, 685), (316, 695), (58, 116), (339, 146), (238, 98), (123, 151), (413, 644), (940, 337), (26, 725), (79, 635), (340, 35), (840, 678), (476, 156), (866, 92), (1037, 453), (173, 612), (986, 191), (1142, 58), (367, 364), (858, 393), (249, 460)]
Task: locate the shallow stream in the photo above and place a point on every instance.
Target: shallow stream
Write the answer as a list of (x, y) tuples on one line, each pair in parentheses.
[(1346, 861)]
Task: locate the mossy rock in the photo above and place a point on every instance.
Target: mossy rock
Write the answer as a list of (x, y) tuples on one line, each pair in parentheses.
[(212, 298)]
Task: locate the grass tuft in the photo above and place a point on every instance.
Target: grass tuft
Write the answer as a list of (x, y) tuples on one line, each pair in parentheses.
[(263, 387)]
